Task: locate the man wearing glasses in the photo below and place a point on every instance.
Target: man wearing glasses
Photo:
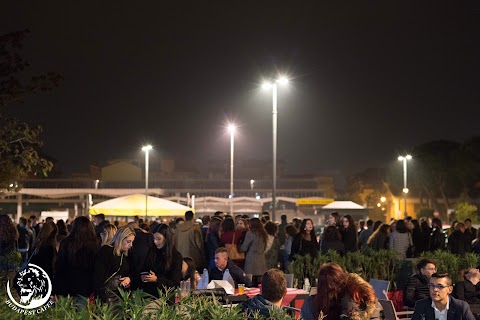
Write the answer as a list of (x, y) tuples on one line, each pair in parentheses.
[(440, 305), (417, 285)]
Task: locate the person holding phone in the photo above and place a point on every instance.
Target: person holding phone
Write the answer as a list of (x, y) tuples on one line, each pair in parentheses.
[(163, 265)]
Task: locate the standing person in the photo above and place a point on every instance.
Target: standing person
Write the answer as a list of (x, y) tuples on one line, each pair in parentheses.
[(380, 239), (459, 242), (230, 236), (111, 270), (334, 220), (349, 234), (205, 224), (365, 234), (437, 237), (305, 242), (100, 223), (332, 241), (35, 225), (45, 248), (138, 253), (377, 224), (163, 266), (24, 236), (254, 246), (441, 305), (282, 238), (73, 272), (417, 238), (8, 240), (189, 240), (62, 228), (107, 234), (291, 231), (476, 243), (470, 231), (242, 225), (400, 240), (273, 246), (213, 240)]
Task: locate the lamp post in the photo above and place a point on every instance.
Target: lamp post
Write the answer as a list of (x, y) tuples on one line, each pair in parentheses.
[(405, 189), (273, 85), (231, 129), (146, 149)]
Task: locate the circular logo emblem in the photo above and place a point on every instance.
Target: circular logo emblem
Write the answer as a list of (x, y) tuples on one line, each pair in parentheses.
[(33, 288)]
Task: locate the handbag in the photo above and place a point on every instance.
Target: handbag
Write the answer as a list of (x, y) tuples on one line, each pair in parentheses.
[(232, 250), (411, 248), (110, 286)]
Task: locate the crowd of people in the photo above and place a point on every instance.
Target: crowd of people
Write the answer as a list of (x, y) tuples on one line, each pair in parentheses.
[(94, 258)]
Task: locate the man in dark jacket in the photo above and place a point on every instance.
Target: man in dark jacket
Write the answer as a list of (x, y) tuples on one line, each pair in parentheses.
[(441, 305), (222, 263), (469, 290), (459, 242), (417, 285), (470, 231), (274, 289)]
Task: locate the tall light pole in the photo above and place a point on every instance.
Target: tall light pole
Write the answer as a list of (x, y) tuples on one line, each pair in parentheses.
[(231, 129), (273, 85), (146, 149), (405, 189)]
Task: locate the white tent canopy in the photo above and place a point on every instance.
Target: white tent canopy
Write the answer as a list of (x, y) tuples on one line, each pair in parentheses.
[(345, 205), (134, 205)]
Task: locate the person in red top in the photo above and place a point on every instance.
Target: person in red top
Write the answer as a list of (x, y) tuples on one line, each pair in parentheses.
[(229, 235)]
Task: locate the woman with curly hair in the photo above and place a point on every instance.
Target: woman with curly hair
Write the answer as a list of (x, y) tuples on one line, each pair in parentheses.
[(8, 240), (359, 301), (45, 248), (254, 246), (331, 287)]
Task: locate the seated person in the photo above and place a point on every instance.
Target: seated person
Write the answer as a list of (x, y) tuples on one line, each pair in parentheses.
[(189, 272), (417, 285), (440, 305), (360, 301), (469, 290), (274, 289), (222, 263)]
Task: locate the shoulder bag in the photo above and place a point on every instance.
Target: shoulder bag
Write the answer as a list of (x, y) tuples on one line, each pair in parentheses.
[(232, 250), (110, 286)]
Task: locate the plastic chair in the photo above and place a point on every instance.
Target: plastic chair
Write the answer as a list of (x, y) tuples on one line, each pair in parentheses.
[(380, 287), (390, 313)]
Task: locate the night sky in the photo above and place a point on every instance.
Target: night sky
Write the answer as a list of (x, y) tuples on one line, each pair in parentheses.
[(369, 80)]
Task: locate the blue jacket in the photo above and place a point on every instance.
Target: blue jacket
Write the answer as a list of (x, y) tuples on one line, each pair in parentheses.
[(458, 310)]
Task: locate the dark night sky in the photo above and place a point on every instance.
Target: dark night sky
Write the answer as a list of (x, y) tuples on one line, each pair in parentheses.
[(369, 79)]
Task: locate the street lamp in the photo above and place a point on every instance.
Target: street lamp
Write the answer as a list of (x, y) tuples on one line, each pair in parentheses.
[(231, 129), (273, 85), (146, 149), (405, 189)]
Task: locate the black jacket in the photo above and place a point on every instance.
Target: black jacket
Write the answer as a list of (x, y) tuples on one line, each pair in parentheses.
[(137, 255), (106, 264), (459, 243), (467, 291), (416, 289), (437, 240), (349, 239), (257, 304), (237, 274), (459, 310), (303, 247), (335, 245), (165, 278)]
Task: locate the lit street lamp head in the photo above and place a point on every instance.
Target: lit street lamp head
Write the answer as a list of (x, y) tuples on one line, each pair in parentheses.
[(146, 148), (231, 128)]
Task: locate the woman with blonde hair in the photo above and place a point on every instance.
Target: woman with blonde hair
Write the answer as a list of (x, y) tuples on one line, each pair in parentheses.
[(108, 233), (111, 269)]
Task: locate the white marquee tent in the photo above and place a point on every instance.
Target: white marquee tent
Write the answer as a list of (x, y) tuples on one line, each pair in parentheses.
[(134, 205)]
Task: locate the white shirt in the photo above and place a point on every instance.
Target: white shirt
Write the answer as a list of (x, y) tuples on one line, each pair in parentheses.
[(441, 315)]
